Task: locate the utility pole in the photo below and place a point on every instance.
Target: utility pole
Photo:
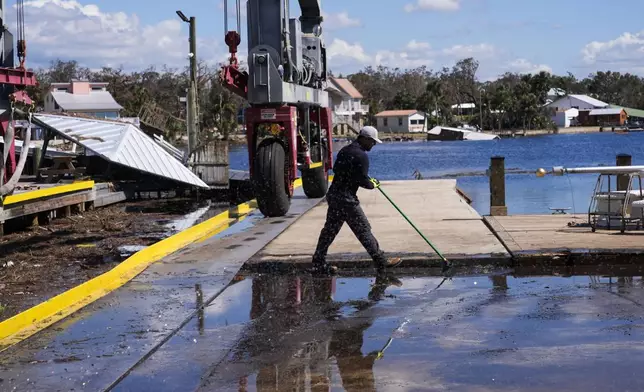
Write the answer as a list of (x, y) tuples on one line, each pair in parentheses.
[(481, 106), (192, 116)]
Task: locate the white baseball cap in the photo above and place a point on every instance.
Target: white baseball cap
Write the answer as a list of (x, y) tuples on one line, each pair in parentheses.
[(370, 132)]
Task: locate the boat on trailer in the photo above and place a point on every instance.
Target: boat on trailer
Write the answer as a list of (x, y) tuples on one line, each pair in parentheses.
[(617, 200)]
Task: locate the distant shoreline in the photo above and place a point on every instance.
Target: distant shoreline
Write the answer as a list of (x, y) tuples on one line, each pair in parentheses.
[(240, 139)]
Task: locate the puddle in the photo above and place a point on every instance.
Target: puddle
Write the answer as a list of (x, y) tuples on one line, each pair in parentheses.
[(126, 251), (193, 218), (247, 223), (485, 332)]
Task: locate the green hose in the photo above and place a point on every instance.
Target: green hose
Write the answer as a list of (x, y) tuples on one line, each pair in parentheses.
[(445, 262)]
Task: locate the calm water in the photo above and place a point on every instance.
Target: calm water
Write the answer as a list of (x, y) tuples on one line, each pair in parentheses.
[(525, 193)]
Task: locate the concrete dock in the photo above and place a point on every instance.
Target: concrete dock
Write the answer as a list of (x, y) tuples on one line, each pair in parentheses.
[(434, 206), (544, 237), (465, 238)]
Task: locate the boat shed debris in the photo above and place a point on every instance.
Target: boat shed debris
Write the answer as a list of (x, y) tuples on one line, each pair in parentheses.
[(122, 143)]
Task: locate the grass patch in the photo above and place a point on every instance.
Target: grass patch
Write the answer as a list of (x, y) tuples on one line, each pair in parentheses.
[(2, 309)]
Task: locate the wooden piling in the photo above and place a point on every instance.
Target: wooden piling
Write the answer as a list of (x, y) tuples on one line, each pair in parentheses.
[(497, 187), (622, 179), (36, 160), (64, 212)]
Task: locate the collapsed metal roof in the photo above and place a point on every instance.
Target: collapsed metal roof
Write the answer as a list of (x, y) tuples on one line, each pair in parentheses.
[(122, 143)]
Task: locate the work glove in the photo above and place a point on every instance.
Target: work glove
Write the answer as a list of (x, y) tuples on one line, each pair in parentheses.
[(376, 183)]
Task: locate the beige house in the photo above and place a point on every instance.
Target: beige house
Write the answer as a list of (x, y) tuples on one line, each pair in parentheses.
[(401, 121)]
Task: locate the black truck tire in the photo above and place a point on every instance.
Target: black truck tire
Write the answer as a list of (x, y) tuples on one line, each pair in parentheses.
[(269, 181), (315, 182)]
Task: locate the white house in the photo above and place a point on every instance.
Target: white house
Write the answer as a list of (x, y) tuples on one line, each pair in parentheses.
[(575, 101), (566, 118), (346, 101), (583, 104), (401, 121), (82, 97)]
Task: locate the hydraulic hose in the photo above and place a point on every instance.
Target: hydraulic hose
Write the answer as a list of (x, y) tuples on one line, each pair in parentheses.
[(11, 184)]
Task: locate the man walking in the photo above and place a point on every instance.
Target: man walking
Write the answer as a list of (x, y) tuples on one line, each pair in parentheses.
[(351, 171)]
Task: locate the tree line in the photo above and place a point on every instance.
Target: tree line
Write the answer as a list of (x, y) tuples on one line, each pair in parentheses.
[(513, 101)]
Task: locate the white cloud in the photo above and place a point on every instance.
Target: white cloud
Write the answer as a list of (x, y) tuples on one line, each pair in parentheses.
[(340, 20), (352, 56), (342, 50), (343, 54), (463, 51), (433, 5), (402, 59), (622, 53), (526, 67), (415, 45), (69, 30)]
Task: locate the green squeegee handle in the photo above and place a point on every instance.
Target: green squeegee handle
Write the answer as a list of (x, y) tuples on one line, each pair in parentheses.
[(412, 225)]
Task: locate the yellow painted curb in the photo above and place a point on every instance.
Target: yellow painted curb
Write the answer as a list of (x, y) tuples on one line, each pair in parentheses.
[(48, 192), (39, 317)]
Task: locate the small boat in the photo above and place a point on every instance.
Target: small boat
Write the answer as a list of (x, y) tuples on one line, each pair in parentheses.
[(447, 133)]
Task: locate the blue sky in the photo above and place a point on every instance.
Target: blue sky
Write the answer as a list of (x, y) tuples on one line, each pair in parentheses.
[(504, 35)]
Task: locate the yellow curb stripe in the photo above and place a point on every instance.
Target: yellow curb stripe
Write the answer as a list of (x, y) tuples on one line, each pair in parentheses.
[(48, 192), (39, 317)]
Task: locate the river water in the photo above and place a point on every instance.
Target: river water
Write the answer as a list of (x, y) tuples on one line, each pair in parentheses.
[(467, 161)]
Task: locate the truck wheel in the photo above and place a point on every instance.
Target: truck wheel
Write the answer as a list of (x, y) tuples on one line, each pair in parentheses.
[(315, 182), (269, 180)]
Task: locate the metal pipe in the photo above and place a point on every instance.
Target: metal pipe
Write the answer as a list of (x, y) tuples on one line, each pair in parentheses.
[(287, 40), (225, 17), (560, 170), (239, 17)]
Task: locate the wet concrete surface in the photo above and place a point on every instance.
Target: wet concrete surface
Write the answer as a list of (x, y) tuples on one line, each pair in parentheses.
[(193, 323), (493, 332), (95, 347)]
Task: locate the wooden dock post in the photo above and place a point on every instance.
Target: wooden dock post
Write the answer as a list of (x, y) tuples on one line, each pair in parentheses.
[(64, 212), (497, 187), (36, 160), (622, 179)]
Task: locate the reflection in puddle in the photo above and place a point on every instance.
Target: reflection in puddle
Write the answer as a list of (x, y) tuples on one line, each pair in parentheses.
[(501, 331), (495, 331)]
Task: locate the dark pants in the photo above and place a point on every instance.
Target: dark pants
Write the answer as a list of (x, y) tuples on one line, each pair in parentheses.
[(336, 216)]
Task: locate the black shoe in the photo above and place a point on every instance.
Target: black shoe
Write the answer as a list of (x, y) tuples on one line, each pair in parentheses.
[(324, 269)]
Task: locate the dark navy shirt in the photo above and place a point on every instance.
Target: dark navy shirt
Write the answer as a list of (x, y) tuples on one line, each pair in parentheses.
[(350, 171)]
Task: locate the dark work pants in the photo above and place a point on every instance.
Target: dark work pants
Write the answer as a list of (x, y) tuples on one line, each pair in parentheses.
[(336, 216)]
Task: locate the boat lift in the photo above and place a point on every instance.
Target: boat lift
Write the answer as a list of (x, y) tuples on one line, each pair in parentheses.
[(618, 196)]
